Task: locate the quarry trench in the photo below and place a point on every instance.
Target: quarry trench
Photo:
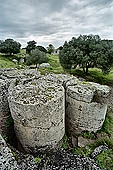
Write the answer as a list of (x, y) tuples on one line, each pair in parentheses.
[(79, 114)]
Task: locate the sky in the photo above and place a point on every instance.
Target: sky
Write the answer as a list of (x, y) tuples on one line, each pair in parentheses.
[(54, 21)]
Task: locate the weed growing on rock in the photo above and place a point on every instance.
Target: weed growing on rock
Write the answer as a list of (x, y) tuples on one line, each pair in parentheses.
[(65, 142), (105, 159), (37, 160)]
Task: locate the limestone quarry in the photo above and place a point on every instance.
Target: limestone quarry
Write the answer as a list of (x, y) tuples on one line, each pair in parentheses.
[(44, 107)]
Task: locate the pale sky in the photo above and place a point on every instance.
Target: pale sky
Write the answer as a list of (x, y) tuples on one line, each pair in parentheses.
[(55, 21)]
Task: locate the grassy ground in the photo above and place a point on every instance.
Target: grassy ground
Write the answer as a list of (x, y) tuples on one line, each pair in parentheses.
[(55, 66), (5, 62), (102, 137), (105, 135), (95, 75)]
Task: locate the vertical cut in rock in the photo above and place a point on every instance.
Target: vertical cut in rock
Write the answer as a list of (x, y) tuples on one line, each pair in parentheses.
[(37, 108), (4, 107), (7, 160)]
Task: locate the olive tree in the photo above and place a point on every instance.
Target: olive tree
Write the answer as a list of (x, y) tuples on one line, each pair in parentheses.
[(36, 57), (87, 51)]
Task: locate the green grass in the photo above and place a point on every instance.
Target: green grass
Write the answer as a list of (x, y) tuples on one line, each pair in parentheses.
[(5, 62), (95, 75), (88, 135), (55, 66), (65, 142), (108, 125), (104, 159)]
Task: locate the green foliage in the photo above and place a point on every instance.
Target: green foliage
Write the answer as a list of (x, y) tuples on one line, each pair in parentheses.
[(82, 151), (88, 135), (9, 46), (31, 45), (67, 56), (15, 155), (5, 62), (87, 51), (108, 125), (50, 49), (55, 66), (95, 75), (37, 160), (9, 122), (41, 48), (36, 57), (65, 142), (5, 138), (105, 159)]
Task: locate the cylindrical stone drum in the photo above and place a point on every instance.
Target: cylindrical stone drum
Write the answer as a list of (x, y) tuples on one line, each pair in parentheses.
[(37, 108), (86, 106)]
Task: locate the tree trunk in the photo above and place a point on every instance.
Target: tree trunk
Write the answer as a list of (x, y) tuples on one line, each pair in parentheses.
[(86, 70)]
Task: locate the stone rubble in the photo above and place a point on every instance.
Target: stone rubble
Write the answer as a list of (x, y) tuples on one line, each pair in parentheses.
[(57, 160), (98, 150), (7, 160)]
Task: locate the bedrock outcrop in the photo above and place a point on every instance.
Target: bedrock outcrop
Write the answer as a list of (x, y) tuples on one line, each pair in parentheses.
[(86, 106), (7, 160), (6, 77), (4, 107), (40, 105), (37, 108)]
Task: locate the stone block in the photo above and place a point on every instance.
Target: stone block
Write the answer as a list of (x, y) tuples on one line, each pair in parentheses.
[(37, 108)]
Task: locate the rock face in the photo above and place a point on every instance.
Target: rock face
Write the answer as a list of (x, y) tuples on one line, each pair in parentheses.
[(6, 77), (37, 108), (7, 160), (85, 106), (39, 105), (4, 107)]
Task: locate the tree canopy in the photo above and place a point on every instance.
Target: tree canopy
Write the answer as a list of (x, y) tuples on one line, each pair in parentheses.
[(36, 57), (50, 49), (41, 48), (31, 45), (87, 51), (9, 46)]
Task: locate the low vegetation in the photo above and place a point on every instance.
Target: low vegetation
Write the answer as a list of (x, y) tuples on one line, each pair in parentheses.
[(102, 137), (6, 62)]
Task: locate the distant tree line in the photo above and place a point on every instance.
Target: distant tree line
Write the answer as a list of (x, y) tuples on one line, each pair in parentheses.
[(87, 51), (31, 45)]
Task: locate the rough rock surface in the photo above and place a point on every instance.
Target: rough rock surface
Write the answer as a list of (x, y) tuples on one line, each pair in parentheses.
[(7, 160), (44, 65), (86, 106), (4, 107), (37, 108), (11, 74), (98, 150), (11, 159), (6, 77), (82, 142)]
